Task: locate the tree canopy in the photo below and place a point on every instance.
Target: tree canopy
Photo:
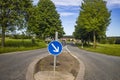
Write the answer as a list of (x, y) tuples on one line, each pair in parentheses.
[(93, 20), (42, 19), (13, 14), (46, 20)]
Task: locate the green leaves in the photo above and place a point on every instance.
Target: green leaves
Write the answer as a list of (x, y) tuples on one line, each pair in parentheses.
[(46, 21), (13, 13), (94, 17)]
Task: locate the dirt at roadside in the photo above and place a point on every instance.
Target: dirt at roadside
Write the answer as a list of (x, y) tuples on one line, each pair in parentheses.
[(65, 63)]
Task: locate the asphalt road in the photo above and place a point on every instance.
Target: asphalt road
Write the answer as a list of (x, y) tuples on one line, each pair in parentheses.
[(98, 66), (13, 66)]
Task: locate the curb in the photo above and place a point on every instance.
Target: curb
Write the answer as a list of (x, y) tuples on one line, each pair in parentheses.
[(81, 72), (31, 68)]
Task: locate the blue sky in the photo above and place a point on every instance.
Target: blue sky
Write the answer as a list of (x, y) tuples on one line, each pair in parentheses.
[(69, 11)]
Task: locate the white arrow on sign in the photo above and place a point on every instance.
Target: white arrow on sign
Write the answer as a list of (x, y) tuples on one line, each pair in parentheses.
[(56, 49)]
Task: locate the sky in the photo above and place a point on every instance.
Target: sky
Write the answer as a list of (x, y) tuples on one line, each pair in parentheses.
[(69, 11)]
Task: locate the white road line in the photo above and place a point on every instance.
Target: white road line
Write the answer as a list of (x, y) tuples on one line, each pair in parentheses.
[(56, 49), (81, 73)]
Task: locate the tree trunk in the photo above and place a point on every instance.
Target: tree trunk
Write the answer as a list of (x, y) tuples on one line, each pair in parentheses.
[(94, 39), (89, 39), (3, 37)]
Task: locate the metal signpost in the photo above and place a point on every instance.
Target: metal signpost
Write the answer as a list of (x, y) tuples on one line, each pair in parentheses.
[(55, 48)]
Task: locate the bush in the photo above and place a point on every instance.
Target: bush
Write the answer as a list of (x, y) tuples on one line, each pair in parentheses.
[(18, 43), (21, 45), (103, 41), (33, 41), (111, 40), (117, 41)]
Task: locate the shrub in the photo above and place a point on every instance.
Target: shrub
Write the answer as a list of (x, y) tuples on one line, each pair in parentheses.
[(18, 43), (117, 41), (111, 40), (103, 41), (21, 45)]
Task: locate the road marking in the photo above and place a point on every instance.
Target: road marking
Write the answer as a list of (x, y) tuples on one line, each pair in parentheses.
[(81, 72), (56, 49)]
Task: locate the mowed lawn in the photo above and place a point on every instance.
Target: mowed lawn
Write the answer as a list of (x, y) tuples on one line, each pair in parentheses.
[(109, 49), (13, 45)]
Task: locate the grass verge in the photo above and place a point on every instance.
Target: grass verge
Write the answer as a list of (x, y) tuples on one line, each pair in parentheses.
[(109, 49), (13, 45)]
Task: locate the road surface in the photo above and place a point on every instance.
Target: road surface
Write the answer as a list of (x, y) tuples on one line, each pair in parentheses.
[(98, 66), (13, 66)]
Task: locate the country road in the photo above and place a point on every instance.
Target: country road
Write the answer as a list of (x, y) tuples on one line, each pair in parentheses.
[(13, 66), (97, 66)]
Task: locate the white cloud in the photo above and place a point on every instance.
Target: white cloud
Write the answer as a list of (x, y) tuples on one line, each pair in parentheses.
[(66, 13), (67, 2), (65, 7), (63, 2), (113, 3), (35, 2), (110, 3)]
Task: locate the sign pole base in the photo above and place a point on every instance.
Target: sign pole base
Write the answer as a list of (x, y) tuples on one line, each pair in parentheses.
[(54, 65)]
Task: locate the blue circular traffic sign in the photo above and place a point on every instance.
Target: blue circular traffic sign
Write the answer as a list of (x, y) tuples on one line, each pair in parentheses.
[(55, 48)]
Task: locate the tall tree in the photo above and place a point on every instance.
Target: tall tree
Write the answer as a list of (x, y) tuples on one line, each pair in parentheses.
[(12, 14), (94, 18), (47, 20)]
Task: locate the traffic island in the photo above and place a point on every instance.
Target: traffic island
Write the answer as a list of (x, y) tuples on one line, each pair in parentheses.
[(67, 68)]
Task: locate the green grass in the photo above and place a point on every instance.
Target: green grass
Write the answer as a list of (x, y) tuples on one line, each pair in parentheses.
[(13, 45), (109, 49)]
